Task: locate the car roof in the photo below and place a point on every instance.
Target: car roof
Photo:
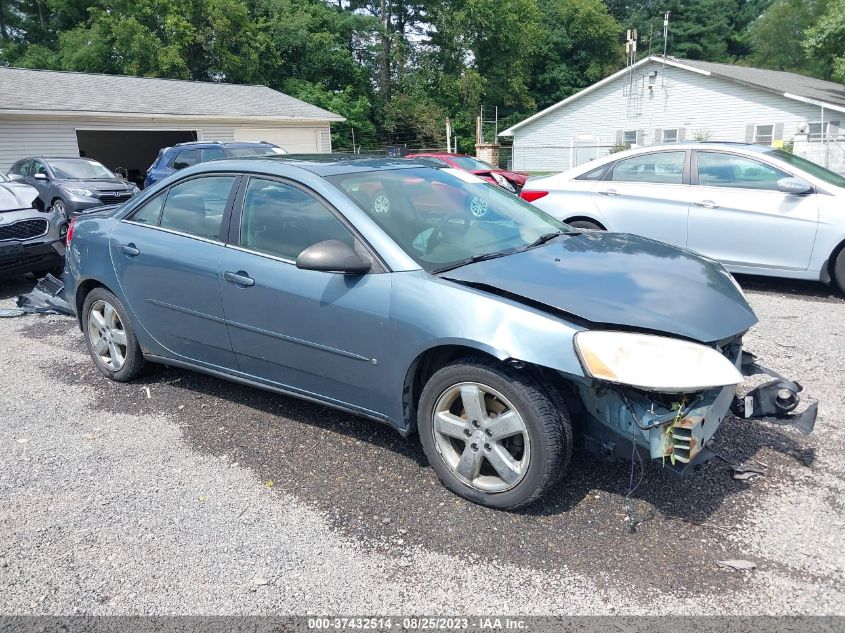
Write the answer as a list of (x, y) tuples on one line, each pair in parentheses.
[(708, 145), (222, 144), (324, 164)]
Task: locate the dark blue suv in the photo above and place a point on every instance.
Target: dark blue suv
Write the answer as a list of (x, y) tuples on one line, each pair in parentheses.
[(181, 155)]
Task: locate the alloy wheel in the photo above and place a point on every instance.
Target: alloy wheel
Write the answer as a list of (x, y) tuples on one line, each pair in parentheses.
[(481, 437), (107, 335), (59, 206)]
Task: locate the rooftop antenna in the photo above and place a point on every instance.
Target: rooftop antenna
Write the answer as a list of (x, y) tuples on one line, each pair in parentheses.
[(665, 44), (630, 56)]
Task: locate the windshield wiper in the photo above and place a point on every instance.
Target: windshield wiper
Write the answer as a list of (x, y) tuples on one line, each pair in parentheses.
[(546, 237), (471, 260)]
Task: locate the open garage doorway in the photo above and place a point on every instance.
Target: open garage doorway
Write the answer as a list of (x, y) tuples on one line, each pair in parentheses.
[(129, 151)]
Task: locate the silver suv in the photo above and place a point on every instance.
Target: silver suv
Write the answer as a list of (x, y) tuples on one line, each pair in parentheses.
[(32, 238)]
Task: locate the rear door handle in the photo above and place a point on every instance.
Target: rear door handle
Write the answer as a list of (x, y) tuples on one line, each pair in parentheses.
[(239, 278), (129, 249), (707, 204), (609, 192)]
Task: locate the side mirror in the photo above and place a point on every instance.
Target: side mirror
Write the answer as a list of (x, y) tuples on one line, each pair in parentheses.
[(40, 176), (15, 177), (795, 186), (333, 256)]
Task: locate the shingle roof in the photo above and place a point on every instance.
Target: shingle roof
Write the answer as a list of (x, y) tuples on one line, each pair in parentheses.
[(55, 91), (789, 85), (774, 80)]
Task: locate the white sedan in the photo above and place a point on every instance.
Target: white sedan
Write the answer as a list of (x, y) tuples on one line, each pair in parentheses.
[(758, 210)]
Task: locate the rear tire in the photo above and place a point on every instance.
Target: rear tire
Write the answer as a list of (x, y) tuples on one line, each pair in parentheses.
[(585, 225), (839, 271), (110, 338), (509, 457)]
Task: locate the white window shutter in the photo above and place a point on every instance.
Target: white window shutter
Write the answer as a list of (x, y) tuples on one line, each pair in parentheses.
[(658, 136), (682, 134), (620, 137), (749, 133), (778, 136)]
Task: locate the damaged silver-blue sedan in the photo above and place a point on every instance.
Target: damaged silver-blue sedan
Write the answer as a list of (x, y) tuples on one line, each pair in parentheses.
[(424, 298)]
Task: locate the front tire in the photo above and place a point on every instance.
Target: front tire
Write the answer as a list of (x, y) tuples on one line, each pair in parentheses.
[(61, 206), (585, 225), (110, 338), (839, 271), (492, 434)]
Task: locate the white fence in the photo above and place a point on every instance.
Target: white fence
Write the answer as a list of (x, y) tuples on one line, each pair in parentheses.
[(828, 153)]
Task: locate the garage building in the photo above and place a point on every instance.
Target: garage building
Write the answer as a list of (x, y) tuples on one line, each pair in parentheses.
[(124, 121)]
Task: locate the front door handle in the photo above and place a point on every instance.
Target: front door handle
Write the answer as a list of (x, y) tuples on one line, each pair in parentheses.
[(239, 278), (610, 192), (129, 249), (707, 204)]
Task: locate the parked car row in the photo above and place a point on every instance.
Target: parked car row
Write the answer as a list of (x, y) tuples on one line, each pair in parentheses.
[(41, 194)]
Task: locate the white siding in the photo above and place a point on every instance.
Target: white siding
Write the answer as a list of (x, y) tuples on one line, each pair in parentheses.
[(22, 137), (296, 139), (699, 105)]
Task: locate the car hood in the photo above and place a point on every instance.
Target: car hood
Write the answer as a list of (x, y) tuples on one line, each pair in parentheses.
[(620, 280), (15, 195), (98, 184)]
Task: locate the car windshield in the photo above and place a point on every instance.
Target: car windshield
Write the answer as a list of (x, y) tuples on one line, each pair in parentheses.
[(810, 167), (445, 217), (470, 164), (241, 152), (75, 169)]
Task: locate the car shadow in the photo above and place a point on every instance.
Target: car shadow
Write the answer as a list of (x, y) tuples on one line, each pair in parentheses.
[(11, 287), (794, 287), (375, 487)]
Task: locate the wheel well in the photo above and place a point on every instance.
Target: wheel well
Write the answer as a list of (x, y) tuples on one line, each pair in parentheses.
[(423, 368), (584, 218), (831, 261), (430, 361), (82, 291)]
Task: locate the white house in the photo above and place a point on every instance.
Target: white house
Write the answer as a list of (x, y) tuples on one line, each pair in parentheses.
[(665, 100), (124, 121)]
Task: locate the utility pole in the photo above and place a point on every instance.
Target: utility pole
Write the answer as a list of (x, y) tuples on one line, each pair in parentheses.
[(448, 135)]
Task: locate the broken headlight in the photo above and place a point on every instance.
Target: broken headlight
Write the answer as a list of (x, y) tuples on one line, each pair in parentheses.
[(653, 363)]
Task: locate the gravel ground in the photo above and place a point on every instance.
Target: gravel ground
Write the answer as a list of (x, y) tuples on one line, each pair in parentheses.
[(207, 497)]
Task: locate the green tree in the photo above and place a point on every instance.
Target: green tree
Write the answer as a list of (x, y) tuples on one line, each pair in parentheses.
[(826, 41), (578, 45), (777, 37)]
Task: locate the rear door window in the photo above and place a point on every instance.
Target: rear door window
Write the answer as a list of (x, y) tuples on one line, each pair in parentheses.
[(150, 211), (212, 153), (186, 158), (21, 168), (665, 168), (196, 206)]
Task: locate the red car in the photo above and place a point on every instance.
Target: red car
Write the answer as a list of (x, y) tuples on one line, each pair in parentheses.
[(510, 180)]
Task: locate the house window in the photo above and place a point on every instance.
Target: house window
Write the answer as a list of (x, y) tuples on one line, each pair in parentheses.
[(818, 131), (670, 136), (629, 137), (764, 134)]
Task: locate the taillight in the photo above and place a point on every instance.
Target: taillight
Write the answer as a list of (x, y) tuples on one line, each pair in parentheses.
[(70, 228), (531, 196)]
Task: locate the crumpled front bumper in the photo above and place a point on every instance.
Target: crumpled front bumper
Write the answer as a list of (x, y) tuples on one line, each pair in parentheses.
[(674, 428)]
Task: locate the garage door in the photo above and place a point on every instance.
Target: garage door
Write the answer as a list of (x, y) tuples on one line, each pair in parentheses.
[(295, 140)]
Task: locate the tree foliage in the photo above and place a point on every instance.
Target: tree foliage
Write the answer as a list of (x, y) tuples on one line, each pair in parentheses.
[(397, 68)]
